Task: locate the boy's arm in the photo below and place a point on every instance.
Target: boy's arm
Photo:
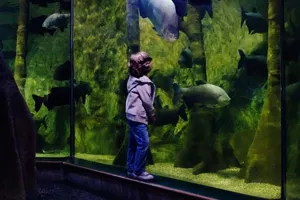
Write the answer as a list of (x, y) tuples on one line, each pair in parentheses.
[(145, 91)]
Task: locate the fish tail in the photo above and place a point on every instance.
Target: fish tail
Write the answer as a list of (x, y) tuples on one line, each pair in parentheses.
[(243, 16), (176, 89), (38, 102), (242, 58), (182, 112)]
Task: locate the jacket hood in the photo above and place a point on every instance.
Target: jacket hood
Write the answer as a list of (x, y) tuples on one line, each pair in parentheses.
[(133, 82)]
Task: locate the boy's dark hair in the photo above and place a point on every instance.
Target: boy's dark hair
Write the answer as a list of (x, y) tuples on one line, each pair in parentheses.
[(139, 64)]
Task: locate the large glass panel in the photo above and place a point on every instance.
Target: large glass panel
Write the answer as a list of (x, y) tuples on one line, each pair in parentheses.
[(218, 113), (41, 67), (292, 69), (48, 74)]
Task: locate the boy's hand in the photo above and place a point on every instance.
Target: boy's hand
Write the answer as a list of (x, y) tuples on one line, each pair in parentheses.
[(152, 117)]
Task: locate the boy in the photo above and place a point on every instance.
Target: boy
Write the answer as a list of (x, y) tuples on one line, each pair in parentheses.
[(139, 111)]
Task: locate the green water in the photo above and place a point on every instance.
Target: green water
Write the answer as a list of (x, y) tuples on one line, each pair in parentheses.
[(222, 147)]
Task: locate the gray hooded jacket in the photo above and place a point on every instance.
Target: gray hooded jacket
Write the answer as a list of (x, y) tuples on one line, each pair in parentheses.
[(140, 99)]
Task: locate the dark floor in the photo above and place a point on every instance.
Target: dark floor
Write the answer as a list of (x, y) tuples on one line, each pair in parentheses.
[(64, 191)]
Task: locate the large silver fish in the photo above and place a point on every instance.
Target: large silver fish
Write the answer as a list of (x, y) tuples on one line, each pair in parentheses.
[(205, 94), (162, 14), (57, 20)]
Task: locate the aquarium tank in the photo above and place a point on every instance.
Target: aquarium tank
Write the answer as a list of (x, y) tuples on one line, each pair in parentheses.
[(230, 46)]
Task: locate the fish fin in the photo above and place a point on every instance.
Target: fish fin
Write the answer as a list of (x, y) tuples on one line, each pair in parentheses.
[(242, 54), (243, 16), (200, 82), (157, 102), (254, 10), (202, 12), (249, 30), (182, 112), (38, 102), (176, 96), (83, 99), (52, 31), (242, 57), (209, 10), (181, 7), (142, 10)]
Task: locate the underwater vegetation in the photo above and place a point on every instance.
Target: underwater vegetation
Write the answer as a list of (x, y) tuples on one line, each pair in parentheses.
[(215, 65)]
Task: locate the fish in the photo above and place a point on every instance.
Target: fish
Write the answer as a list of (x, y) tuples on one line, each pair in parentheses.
[(205, 94), (163, 81), (293, 92), (291, 49), (60, 96), (167, 116), (63, 4), (42, 3), (255, 22), (9, 54), (186, 58), (163, 16), (62, 72), (205, 6), (181, 7), (254, 64), (35, 26), (57, 21)]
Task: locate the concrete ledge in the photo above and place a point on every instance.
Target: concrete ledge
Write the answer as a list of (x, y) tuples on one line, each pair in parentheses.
[(109, 185)]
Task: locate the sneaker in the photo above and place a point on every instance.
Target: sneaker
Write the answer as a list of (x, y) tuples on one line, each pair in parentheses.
[(131, 175), (145, 176)]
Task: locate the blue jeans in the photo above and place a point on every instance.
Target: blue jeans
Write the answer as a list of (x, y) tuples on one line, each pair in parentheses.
[(138, 145)]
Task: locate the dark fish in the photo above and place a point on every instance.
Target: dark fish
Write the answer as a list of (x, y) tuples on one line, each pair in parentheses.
[(9, 54), (62, 72), (162, 81), (42, 3), (255, 22), (204, 6), (170, 116), (35, 26), (291, 49), (8, 31), (9, 7), (254, 64), (181, 7), (60, 96), (186, 58), (293, 92), (64, 5)]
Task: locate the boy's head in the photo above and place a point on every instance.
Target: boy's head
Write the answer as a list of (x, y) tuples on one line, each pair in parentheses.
[(139, 64)]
